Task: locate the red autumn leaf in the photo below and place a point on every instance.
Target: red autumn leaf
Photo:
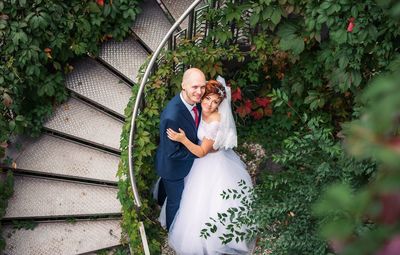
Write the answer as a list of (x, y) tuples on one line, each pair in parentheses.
[(390, 212), (248, 105), (241, 110), (7, 100), (394, 144), (100, 2), (258, 114), (262, 101), (268, 111), (236, 95), (244, 109), (351, 25)]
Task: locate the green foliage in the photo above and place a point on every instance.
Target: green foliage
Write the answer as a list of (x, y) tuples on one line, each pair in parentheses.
[(313, 60), (6, 191), (115, 251), (38, 39), (24, 224), (370, 212)]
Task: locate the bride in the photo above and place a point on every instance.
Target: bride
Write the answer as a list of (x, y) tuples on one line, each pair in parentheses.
[(217, 169)]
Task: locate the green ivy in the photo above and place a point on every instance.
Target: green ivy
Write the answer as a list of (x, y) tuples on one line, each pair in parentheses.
[(6, 191), (38, 40)]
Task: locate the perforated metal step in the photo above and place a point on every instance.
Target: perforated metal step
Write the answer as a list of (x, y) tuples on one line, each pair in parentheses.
[(59, 157), (43, 198), (178, 7), (151, 25), (93, 81), (61, 238), (125, 57), (79, 120)]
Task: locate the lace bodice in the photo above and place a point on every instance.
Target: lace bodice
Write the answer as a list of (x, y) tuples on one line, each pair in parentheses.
[(207, 130)]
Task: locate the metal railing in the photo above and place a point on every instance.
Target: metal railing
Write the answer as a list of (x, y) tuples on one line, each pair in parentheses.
[(171, 39)]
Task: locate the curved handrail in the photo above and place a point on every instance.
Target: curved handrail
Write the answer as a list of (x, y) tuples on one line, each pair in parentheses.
[(136, 108), (140, 92)]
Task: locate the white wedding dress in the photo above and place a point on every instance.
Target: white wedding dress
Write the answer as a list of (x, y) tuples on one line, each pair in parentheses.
[(201, 199)]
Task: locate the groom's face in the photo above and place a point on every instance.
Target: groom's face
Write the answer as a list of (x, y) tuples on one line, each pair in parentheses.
[(194, 88)]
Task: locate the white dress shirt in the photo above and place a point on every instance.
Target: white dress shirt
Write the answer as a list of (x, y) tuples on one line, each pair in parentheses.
[(188, 106)]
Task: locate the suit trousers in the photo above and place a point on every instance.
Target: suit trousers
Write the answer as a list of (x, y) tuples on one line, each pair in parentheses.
[(174, 189)]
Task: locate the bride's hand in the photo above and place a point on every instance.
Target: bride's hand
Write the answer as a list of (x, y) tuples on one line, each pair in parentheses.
[(175, 136)]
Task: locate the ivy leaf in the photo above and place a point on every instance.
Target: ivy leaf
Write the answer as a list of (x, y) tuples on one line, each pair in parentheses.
[(343, 61), (296, 45), (93, 7), (276, 16), (356, 78), (254, 20), (290, 40), (267, 12), (19, 37), (340, 36), (22, 3)]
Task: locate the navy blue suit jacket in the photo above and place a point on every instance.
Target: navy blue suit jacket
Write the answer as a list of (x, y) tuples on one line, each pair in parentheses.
[(173, 160)]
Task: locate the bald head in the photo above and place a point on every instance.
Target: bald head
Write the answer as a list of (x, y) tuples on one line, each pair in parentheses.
[(193, 85), (193, 74)]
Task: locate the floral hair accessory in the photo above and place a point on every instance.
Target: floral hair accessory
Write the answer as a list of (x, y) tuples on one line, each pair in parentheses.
[(221, 91)]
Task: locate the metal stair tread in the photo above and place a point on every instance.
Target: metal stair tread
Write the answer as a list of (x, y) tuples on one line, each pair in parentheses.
[(82, 121), (177, 8), (125, 57), (50, 238), (98, 84), (59, 157), (36, 197), (151, 25)]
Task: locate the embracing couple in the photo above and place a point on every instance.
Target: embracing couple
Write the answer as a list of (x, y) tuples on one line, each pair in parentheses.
[(196, 164)]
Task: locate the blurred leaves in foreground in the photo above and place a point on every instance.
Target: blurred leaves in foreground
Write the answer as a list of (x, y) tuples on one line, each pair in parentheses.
[(367, 220)]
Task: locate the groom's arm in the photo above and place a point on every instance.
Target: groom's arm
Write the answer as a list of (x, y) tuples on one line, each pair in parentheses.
[(174, 150)]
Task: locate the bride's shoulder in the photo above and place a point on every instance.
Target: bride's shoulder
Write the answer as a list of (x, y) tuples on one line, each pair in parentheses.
[(215, 117)]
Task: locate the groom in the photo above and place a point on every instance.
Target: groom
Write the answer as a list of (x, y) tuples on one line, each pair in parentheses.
[(173, 160)]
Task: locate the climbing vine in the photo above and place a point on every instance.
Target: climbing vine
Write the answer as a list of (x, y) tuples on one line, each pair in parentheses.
[(38, 40), (6, 191)]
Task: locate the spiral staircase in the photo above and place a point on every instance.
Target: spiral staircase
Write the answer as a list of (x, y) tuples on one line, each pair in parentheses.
[(65, 180)]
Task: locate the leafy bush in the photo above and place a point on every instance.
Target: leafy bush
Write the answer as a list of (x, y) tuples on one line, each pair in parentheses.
[(38, 39), (309, 59), (365, 220), (6, 191)]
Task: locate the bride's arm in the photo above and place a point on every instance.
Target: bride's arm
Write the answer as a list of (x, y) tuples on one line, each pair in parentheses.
[(198, 150)]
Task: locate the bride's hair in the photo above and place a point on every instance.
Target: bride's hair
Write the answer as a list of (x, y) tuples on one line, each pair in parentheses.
[(215, 87)]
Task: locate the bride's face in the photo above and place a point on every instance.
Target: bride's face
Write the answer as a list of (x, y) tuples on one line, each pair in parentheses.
[(210, 103)]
